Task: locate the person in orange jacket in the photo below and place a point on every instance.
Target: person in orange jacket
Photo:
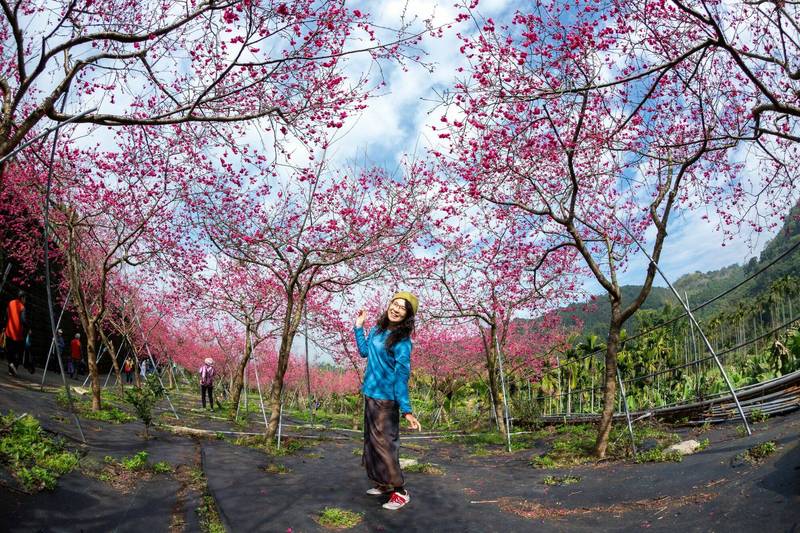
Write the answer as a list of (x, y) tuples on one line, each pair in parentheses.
[(16, 325), (75, 355)]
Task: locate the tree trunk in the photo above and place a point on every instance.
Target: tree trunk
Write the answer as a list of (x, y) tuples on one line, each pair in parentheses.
[(91, 357), (494, 385), (610, 386), (291, 323), (238, 381)]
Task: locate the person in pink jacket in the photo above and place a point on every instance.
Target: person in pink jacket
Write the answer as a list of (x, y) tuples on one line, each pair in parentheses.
[(207, 382)]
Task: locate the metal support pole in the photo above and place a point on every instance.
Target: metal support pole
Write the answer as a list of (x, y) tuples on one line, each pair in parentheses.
[(99, 358), (245, 392), (697, 325), (153, 362), (5, 276), (627, 413), (503, 386), (53, 342), (280, 421), (694, 355), (261, 399), (46, 132), (46, 247), (308, 371)]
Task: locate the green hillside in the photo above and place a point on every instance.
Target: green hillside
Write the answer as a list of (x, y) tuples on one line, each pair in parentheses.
[(702, 286)]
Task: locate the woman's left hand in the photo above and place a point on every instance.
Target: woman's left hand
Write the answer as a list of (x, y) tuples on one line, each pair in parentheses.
[(412, 421)]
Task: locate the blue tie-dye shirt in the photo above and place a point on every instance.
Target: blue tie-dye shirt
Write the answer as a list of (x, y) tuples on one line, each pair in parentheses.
[(386, 377)]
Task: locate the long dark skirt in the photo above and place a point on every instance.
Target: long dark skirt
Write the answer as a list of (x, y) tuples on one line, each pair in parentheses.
[(381, 455)]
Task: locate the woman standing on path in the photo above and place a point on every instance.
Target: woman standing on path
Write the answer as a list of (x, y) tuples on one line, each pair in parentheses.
[(207, 382), (388, 353)]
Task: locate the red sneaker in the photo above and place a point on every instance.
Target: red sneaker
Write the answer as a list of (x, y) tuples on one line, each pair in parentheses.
[(396, 501)]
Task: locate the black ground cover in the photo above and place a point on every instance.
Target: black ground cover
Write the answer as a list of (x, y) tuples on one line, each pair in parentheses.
[(474, 490)]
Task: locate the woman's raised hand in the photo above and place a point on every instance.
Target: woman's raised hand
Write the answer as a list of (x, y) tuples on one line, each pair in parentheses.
[(362, 315)]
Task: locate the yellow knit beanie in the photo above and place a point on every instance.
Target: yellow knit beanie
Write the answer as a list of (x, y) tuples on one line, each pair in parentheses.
[(410, 298)]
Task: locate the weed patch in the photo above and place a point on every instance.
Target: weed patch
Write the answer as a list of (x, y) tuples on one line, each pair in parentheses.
[(335, 518), (759, 452), (276, 468), (107, 413), (136, 462), (425, 468), (658, 456), (34, 459), (259, 442), (209, 516), (560, 480), (163, 467)]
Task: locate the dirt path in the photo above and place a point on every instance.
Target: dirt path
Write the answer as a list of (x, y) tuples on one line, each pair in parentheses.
[(709, 491)]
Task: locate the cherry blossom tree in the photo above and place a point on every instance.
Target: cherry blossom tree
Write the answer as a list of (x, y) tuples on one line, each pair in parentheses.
[(321, 230), (491, 266), (111, 209), (161, 63), (247, 293), (599, 167)]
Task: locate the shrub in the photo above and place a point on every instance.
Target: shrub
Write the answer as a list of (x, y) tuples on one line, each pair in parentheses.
[(144, 398)]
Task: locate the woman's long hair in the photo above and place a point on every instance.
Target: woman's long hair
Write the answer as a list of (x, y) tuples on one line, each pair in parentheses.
[(400, 331)]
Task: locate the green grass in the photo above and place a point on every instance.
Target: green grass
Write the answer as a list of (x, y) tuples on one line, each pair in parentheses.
[(136, 462), (34, 459), (207, 512), (414, 446), (197, 476), (107, 413), (561, 480), (491, 443), (570, 445), (321, 417), (757, 415), (209, 516), (424, 468), (162, 467), (276, 468), (543, 461), (333, 517), (288, 446), (658, 455)]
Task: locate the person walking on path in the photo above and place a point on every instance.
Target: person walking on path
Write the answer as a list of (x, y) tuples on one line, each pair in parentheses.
[(387, 349), (207, 382), (61, 346), (16, 324), (127, 369), (75, 350)]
